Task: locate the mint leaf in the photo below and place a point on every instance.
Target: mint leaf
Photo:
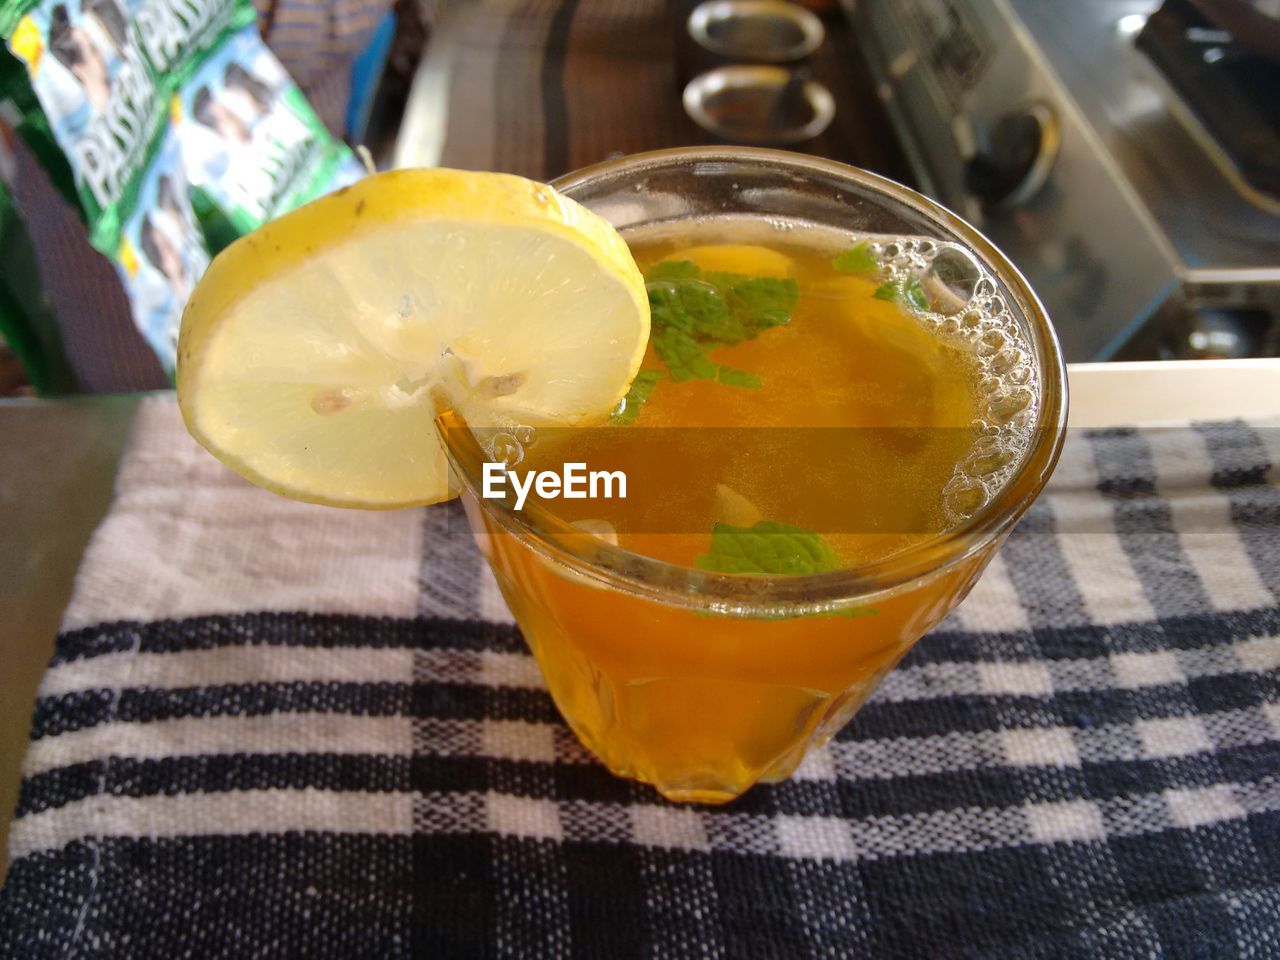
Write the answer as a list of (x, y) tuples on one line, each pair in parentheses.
[(758, 303), (687, 359), (767, 547), (693, 314), (641, 387), (727, 307), (731, 377), (724, 307), (689, 305), (914, 294), (673, 270), (910, 291), (858, 259), (777, 548), (683, 355)]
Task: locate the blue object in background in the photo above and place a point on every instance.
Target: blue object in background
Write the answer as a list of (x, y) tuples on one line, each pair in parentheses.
[(366, 72)]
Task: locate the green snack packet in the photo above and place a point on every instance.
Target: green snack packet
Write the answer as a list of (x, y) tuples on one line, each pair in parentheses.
[(161, 253), (21, 110), (149, 112), (101, 70), (252, 145)]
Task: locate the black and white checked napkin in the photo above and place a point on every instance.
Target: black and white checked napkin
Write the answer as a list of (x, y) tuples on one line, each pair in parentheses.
[(271, 729)]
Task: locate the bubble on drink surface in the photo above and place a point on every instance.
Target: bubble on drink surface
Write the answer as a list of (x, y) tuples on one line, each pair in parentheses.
[(504, 447), (989, 462), (1004, 362), (1006, 406), (991, 342), (963, 496), (965, 309), (949, 280)]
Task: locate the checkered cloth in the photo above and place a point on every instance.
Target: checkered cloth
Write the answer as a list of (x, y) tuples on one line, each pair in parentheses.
[(272, 729)]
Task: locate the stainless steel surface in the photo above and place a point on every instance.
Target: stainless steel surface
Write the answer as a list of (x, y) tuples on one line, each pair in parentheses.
[(1255, 23), (755, 31), (57, 468), (1036, 177), (1137, 217), (1219, 333), (1187, 184), (747, 104)]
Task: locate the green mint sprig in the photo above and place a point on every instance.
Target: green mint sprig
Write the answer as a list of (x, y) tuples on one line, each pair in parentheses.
[(641, 387), (755, 304), (770, 547), (686, 359), (717, 308), (909, 291), (860, 259), (693, 314), (767, 547)]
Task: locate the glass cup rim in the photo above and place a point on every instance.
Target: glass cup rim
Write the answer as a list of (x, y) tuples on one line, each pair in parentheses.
[(792, 595)]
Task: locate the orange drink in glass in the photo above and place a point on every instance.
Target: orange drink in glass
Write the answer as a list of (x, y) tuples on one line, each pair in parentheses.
[(849, 398)]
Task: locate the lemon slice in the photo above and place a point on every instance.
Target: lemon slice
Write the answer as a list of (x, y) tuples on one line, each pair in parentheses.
[(316, 352)]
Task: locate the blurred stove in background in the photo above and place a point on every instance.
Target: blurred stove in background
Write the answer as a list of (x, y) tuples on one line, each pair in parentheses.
[(1125, 155)]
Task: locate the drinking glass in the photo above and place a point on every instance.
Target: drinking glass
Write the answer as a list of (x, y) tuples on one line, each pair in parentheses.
[(704, 683)]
